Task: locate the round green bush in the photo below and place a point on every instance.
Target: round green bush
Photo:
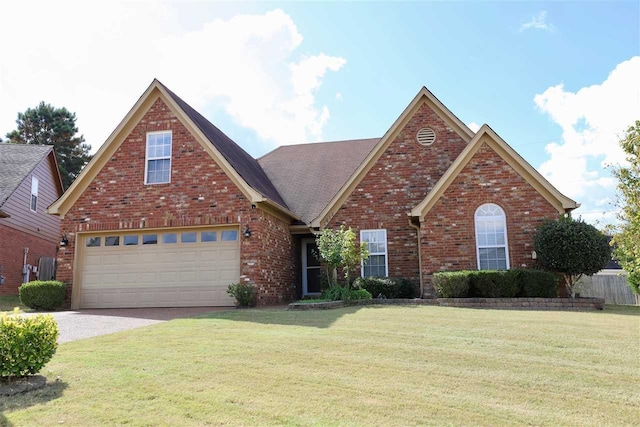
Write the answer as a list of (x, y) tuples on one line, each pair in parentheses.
[(26, 344), (43, 295), (244, 293)]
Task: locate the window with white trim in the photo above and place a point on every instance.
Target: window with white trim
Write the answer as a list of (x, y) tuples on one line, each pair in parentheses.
[(158, 158), (491, 238), (376, 265), (34, 194)]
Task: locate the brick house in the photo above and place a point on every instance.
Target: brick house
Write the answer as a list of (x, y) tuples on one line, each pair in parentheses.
[(170, 210), (29, 182)]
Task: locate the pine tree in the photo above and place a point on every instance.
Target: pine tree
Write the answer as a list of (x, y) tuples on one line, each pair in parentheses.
[(47, 125)]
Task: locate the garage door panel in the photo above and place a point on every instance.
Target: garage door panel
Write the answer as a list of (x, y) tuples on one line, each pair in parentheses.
[(228, 254), (160, 275)]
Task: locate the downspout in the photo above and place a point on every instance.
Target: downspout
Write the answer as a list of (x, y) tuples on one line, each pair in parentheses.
[(25, 267), (417, 227)]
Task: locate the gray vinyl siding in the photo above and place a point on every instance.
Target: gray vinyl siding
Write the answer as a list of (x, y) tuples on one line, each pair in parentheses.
[(38, 223)]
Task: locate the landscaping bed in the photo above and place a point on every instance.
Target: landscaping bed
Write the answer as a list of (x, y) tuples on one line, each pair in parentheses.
[(501, 303)]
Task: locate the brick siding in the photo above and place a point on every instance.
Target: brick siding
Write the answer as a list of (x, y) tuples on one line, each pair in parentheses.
[(397, 182), (12, 244), (200, 193), (448, 230)]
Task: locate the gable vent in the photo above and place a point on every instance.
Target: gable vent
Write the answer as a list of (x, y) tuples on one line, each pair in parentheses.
[(426, 136)]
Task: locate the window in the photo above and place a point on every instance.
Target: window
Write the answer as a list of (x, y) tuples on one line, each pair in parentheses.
[(169, 238), (112, 241), (189, 237), (229, 235), (376, 241), (34, 193), (149, 239), (491, 238), (131, 240), (208, 236), (93, 242), (158, 166)]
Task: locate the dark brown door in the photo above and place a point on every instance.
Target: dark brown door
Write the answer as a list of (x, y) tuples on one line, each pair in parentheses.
[(311, 268)]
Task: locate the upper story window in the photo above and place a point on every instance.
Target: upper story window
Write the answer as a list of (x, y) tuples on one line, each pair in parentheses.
[(34, 193), (158, 159), (491, 238), (376, 265)]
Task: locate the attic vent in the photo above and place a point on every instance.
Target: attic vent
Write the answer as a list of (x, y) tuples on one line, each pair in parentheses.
[(426, 136)]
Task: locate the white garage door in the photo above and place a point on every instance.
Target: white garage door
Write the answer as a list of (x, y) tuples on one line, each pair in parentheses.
[(168, 268)]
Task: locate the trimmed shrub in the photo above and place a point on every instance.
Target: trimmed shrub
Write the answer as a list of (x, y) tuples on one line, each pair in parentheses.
[(344, 293), (494, 284), (385, 287), (355, 294), (404, 288), (334, 293), (26, 344), (451, 284), (244, 293), (378, 287), (43, 295), (537, 283)]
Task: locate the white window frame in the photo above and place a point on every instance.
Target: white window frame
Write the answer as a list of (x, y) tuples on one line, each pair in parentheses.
[(385, 253), (147, 158), (34, 193), (503, 218)]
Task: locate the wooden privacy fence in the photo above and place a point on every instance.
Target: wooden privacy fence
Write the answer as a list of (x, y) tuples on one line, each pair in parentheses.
[(610, 285)]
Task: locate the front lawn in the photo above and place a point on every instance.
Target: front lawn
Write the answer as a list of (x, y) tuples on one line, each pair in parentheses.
[(8, 302), (373, 365)]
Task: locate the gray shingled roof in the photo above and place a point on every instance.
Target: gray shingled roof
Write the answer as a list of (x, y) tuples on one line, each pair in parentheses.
[(243, 163), (309, 175), (16, 163)]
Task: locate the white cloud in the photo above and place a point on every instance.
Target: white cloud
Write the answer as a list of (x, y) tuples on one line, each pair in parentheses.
[(538, 22), (474, 126), (96, 59), (593, 120)]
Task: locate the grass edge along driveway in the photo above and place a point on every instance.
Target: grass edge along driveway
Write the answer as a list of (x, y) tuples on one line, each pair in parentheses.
[(391, 365)]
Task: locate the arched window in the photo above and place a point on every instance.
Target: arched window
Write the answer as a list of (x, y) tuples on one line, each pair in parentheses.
[(491, 238)]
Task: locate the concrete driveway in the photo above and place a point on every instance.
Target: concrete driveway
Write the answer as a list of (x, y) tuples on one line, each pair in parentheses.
[(76, 325)]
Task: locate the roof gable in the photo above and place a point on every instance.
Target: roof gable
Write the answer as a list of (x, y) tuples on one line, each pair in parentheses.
[(243, 170), (17, 161), (243, 163), (486, 135), (424, 96)]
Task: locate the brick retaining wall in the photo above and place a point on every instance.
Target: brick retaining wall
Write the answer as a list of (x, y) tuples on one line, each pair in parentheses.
[(495, 303)]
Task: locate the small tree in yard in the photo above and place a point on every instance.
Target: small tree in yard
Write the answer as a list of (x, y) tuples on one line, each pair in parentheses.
[(571, 248), (627, 233), (338, 249)]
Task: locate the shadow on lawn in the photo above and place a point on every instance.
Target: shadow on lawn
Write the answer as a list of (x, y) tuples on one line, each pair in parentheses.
[(625, 310), (51, 391), (281, 316), (168, 313)]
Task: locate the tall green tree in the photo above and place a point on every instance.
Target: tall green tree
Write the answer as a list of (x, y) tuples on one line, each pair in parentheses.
[(48, 125), (627, 234)]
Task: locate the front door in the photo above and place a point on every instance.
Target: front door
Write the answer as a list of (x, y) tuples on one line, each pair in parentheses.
[(310, 268)]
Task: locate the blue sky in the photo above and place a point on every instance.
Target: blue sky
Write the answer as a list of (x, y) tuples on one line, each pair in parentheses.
[(559, 81)]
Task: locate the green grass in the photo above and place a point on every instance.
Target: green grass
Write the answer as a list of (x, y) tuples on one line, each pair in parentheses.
[(8, 302), (374, 365), (312, 300)]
